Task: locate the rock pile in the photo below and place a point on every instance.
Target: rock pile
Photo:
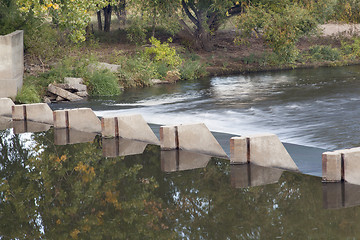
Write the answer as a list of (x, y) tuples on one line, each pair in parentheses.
[(72, 89)]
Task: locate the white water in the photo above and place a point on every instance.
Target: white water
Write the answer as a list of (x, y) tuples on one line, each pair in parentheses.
[(311, 107)]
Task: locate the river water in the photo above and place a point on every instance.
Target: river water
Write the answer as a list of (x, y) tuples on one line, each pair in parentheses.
[(121, 189), (311, 107)]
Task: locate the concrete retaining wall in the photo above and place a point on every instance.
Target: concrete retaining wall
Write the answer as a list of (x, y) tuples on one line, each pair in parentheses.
[(190, 137), (11, 64), (82, 119), (6, 107), (128, 127), (38, 112), (264, 150)]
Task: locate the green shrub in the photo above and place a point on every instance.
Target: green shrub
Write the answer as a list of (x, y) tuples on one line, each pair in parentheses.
[(28, 94), (191, 70), (326, 53), (162, 52), (136, 70), (103, 83), (351, 50)]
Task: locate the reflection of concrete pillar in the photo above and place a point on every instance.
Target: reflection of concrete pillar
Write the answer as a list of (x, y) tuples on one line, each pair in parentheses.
[(29, 126), (11, 63), (64, 136), (250, 175), (117, 147), (190, 137), (340, 195), (128, 127), (37, 112), (6, 107), (179, 160), (81, 119), (5, 123), (263, 150)]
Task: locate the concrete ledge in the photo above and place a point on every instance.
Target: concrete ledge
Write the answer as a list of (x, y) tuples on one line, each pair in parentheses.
[(82, 119), (179, 160), (64, 136), (190, 137), (6, 107), (129, 127), (250, 175), (37, 112), (264, 150), (118, 147)]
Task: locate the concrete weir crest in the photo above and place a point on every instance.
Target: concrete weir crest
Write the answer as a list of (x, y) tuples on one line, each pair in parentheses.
[(263, 149), (190, 137)]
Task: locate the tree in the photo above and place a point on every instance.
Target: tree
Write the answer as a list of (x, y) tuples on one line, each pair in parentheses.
[(206, 17), (72, 15)]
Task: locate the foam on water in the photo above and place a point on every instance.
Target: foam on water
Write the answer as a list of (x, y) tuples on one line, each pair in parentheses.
[(316, 107)]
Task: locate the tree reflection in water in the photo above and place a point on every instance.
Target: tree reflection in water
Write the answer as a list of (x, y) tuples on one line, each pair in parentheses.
[(73, 192)]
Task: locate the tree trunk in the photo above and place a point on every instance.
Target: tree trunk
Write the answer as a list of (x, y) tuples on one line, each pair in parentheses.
[(107, 16), (98, 13), (199, 39)]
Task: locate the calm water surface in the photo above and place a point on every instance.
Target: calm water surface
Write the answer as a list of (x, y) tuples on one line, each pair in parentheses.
[(89, 191), (83, 191)]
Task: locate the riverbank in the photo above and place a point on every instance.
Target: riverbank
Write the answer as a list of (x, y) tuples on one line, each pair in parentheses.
[(334, 45)]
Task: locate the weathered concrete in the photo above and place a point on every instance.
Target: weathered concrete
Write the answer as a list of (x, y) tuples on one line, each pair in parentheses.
[(168, 137), (11, 63), (6, 107), (74, 87), (37, 112), (264, 150), (63, 93), (331, 167), (250, 175), (239, 150), (267, 150), (129, 127), (82, 119), (29, 126), (190, 137), (64, 136), (179, 160), (5, 123), (351, 158), (117, 147), (70, 80), (340, 195)]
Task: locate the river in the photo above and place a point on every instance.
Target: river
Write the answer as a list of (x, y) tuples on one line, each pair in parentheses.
[(49, 190), (310, 107)]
